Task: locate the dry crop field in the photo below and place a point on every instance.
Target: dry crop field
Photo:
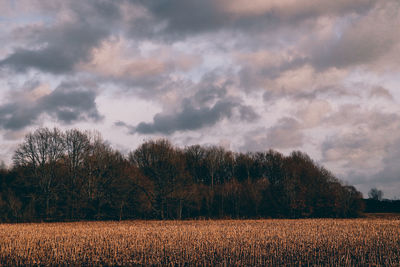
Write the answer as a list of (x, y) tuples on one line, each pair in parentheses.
[(370, 241)]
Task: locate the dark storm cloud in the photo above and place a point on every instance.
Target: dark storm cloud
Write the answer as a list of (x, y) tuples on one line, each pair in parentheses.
[(67, 103), (59, 47)]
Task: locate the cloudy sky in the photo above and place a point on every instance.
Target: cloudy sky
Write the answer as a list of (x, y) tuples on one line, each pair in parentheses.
[(318, 76)]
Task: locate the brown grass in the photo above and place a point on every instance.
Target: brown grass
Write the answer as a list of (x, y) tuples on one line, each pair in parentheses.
[(229, 242)]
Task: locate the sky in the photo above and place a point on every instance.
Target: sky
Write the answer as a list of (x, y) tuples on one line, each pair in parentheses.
[(317, 76)]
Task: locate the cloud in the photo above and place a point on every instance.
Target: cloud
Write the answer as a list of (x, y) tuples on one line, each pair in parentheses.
[(191, 118), (286, 133), (380, 92), (306, 82), (354, 147), (68, 103), (118, 58), (199, 105), (360, 137), (292, 8), (178, 18), (313, 113), (384, 175), (367, 40), (391, 169), (354, 115), (57, 48), (181, 18), (63, 48), (290, 74), (188, 119), (209, 91), (259, 68)]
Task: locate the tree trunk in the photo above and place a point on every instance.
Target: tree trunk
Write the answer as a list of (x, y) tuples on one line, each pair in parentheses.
[(121, 209), (180, 210)]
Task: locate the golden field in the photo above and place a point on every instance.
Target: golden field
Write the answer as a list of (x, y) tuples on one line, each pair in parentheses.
[(344, 242)]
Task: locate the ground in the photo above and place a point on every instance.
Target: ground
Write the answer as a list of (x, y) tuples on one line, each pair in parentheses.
[(373, 240)]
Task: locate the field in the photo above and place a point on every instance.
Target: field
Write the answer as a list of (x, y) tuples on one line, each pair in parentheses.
[(368, 241)]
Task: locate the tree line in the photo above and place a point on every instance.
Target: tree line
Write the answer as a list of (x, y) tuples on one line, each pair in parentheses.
[(76, 175), (377, 204)]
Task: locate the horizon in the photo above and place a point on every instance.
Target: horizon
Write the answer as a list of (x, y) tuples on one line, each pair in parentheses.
[(283, 75)]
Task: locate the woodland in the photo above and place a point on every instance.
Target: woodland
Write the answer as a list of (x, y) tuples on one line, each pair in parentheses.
[(75, 175)]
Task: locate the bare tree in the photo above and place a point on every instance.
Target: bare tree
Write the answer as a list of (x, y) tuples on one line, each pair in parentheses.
[(375, 194), (41, 151), (164, 166), (77, 148), (214, 160)]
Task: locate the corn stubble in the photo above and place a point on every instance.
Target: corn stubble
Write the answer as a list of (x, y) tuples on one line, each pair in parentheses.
[(229, 242)]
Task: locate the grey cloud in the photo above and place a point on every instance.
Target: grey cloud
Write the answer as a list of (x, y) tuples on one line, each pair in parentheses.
[(380, 92), (385, 176), (391, 167), (89, 10), (364, 41), (70, 103), (363, 139), (146, 87), (98, 10), (354, 115), (189, 118), (121, 124), (67, 103), (58, 48), (352, 146), (211, 92), (152, 85), (207, 105), (65, 47), (254, 76), (181, 18), (324, 92), (201, 93), (247, 113)]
